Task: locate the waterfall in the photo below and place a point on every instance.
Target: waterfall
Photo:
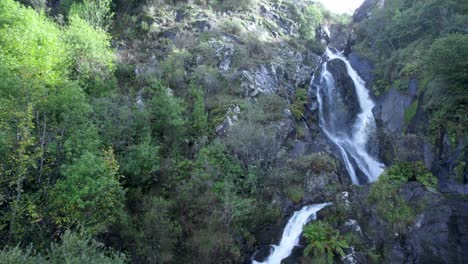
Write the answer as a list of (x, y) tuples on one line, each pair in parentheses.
[(347, 124), (351, 141), (292, 233)]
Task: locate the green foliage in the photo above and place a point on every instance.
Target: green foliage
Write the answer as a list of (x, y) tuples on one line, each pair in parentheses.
[(295, 193), (31, 48), (323, 242), (410, 113), (166, 115), (402, 31), (141, 162), (297, 108), (74, 248), (312, 18), (175, 69), (316, 162), (412, 171), (16, 255), (96, 12), (447, 93), (199, 116), (385, 193), (89, 194), (91, 56), (446, 59), (152, 232), (238, 5), (390, 205), (233, 25), (79, 247)]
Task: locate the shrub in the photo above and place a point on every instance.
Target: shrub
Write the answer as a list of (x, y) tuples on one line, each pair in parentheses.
[(175, 69), (295, 193), (311, 19), (411, 171), (92, 57), (385, 193), (233, 25), (323, 242), (89, 193), (74, 248), (96, 12), (316, 162), (238, 5), (297, 108)]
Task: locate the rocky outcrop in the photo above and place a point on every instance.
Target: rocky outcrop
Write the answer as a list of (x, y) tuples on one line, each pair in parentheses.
[(439, 233), (390, 110), (365, 10)]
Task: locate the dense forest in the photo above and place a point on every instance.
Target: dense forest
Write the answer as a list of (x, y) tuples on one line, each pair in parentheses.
[(164, 131)]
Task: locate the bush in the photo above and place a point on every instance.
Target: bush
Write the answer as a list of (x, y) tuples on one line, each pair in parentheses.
[(233, 25), (74, 248), (297, 108), (175, 69), (96, 12), (238, 5), (295, 193), (411, 171), (89, 193), (316, 162), (323, 242), (91, 53), (311, 19), (385, 193)]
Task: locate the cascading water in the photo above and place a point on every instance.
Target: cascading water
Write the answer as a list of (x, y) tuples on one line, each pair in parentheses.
[(351, 141), (292, 233), (348, 124)]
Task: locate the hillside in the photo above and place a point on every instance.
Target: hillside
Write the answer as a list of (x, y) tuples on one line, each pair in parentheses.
[(157, 131)]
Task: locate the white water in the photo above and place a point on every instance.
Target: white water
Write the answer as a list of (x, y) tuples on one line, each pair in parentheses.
[(353, 144), (292, 233)]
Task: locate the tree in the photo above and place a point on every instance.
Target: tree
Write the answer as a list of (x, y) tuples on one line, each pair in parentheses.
[(74, 248), (96, 12), (89, 193), (446, 59), (91, 57), (166, 116), (199, 115), (141, 162), (311, 19)]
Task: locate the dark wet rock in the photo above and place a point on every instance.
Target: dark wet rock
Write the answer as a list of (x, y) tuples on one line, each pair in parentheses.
[(269, 234), (363, 67), (440, 235), (390, 110), (262, 253), (295, 256), (203, 25), (345, 103), (170, 35)]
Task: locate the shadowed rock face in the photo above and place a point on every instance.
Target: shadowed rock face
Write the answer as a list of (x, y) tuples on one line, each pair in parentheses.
[(365, 10)]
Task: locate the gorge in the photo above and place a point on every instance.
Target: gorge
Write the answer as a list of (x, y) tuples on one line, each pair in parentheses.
[(233, 131)]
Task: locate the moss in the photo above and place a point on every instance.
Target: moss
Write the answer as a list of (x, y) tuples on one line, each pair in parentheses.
[(295, 193), (410, 112), (297, 108), (316, 162)]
